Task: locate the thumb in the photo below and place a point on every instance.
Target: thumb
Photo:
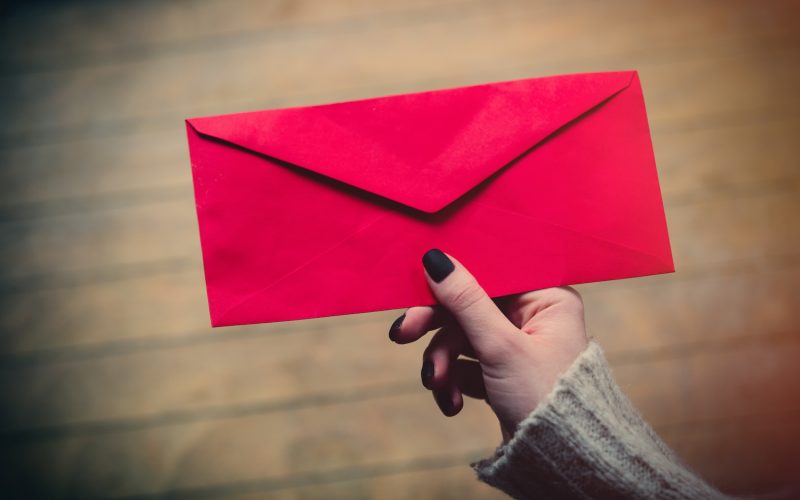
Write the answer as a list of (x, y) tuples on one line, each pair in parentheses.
[(486, 327)]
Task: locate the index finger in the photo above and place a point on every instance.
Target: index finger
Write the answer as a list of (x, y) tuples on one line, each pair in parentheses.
[(416, 322)]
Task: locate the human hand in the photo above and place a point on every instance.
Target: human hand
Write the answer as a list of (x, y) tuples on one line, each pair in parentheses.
[(519, 344)]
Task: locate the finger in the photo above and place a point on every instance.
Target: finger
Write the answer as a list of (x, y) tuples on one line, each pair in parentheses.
[(449, 399), (487, 329), (469, 378), (442, 320), (441, 353), (416, 322), (439, 369)]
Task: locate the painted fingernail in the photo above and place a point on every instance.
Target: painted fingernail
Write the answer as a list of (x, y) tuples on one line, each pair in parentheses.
[(445, 402), (427, 373), (395, 328), (438, 265)]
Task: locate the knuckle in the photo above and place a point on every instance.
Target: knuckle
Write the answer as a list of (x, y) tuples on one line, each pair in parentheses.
[(571, 299), (465, 297)]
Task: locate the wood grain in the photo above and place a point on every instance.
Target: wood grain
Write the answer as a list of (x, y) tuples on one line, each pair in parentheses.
[(390, 428), (140, 94), (204, 25), (112, 382), (361, 434), (168, 230), (636, 325), (760, 226)]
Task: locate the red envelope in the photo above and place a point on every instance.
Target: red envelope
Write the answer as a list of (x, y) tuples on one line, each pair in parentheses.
[(325, 210)]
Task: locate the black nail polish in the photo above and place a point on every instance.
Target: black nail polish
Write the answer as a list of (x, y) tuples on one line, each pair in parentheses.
[(427, 373), (445, 402), (395, 328), (437, 264)]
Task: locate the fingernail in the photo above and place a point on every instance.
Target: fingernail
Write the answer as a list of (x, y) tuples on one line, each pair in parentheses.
[(395, 328), (427, 373), (437, 264), (445, 402)]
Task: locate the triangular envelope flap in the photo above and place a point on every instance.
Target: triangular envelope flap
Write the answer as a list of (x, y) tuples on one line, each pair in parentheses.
[(423, 150)]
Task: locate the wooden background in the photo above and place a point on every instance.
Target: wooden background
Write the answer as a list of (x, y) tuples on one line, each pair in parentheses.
[(113, 384)]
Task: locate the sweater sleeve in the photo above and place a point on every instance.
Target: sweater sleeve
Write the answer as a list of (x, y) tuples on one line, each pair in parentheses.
[(586, 440)]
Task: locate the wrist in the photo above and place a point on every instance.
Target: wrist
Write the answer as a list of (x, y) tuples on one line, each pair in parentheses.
[(586, 440)]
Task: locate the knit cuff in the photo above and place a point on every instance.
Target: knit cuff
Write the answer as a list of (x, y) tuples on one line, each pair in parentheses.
[(586, 440)]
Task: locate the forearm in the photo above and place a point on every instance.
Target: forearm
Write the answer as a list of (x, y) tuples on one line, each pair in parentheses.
[(586, 440)]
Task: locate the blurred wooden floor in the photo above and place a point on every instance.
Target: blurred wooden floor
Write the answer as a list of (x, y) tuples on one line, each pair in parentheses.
[(112, 383)]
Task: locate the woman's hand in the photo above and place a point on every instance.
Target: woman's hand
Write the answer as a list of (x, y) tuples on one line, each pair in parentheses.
[(519, 344)]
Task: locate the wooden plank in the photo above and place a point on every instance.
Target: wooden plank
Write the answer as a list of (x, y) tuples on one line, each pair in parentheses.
[(107, 96), (693, 312), (124, 305), (743, 456), (725, 158), (139, 305), (362, 434), (204, 26), (716, 232), (739, 457), (457, 481), (271, 366), (72, 34), (164, 158), (746, 379), (758, 94), (722, 230), (707, 386), (163, 230), (636, 325), (102, 170), (96, 174), (117, 386)]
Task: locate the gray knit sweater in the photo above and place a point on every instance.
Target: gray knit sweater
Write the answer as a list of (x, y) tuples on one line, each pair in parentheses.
[(586, 440)]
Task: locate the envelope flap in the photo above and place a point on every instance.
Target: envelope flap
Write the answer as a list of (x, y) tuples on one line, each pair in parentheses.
[(422, 150)]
